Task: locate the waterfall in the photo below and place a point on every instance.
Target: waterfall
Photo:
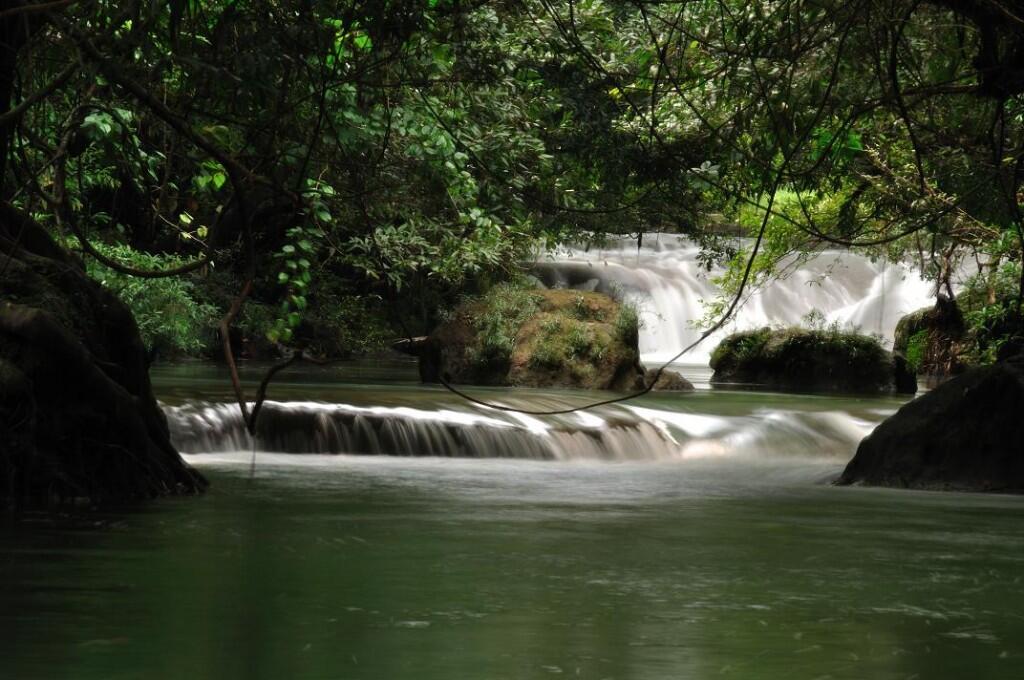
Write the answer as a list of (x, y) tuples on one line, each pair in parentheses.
[(665, 279), (668, 284), (620, 433)]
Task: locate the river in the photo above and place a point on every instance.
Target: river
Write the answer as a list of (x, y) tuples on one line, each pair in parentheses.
[(686, 536)]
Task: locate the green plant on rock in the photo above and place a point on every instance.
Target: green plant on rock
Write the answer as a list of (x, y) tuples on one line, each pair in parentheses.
[(578, 340), (501, 312), (917, 346), (579, 308), (742, 346), (550, 350), (627, 324)]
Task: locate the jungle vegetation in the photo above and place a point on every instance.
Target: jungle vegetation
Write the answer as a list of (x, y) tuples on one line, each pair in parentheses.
[(253, 176)]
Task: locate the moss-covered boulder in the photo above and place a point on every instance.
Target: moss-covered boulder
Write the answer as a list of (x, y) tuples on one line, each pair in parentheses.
[(667, 381), (933, 339), (78, 420), (798, 359), (536, 338), (966, 434)]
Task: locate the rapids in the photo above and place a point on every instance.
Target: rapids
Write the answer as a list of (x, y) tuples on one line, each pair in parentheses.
[(622, 433), (669, 285)]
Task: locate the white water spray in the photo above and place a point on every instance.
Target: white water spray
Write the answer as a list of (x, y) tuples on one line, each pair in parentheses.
[(669, 285), (619, 433)]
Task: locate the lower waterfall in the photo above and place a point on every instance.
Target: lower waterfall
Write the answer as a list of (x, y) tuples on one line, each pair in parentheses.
[(612, 434)]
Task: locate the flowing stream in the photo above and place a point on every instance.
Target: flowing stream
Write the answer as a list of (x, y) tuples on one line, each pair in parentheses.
[(667, 282), (377, 528), (681, 536)]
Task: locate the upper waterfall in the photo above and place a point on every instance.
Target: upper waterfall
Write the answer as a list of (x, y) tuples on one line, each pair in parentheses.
[(665, 279)]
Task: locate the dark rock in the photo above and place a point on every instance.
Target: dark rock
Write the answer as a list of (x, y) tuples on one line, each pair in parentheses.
[(78, 420), (668, 381), (797, 359), (967, 434), (1011, 348), (903, 375)]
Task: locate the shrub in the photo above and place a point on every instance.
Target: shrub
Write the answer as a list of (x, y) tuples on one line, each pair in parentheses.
[(340, 322), (989, 306), (169, 312), (627, 324)]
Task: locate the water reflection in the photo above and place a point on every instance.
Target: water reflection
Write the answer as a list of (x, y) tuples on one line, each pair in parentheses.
[(382, 568)]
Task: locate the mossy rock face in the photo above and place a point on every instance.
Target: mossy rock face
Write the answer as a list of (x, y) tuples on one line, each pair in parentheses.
[(667, 381), (796, 359), (933, 339), (537, 338), (966, 434), (78, 420)]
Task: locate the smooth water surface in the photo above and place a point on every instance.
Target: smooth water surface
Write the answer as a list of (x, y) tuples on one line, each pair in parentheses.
[(741, 562)]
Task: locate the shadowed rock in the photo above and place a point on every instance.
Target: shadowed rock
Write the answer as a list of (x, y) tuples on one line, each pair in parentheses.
[(668, 381), (967, 434), (78, 420), (801, 360)]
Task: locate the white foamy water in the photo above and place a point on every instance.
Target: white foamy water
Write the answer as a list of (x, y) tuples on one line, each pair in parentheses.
[(621, 433), (665, 279)]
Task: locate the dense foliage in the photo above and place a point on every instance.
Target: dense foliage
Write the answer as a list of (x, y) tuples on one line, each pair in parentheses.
[(332, 174)]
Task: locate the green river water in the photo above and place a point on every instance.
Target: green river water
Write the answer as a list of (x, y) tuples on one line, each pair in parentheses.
[(727, 564)]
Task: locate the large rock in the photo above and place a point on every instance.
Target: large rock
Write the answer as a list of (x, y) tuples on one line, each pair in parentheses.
[(967, 434), (78, 420), (803, 360), (536, 338)]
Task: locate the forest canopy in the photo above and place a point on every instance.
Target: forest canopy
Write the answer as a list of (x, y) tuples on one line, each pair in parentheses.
[(329, 175)]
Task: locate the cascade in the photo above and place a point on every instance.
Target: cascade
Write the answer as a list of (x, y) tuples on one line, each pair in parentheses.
[(665, 279), (618, 433)]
